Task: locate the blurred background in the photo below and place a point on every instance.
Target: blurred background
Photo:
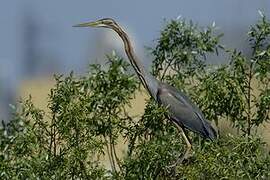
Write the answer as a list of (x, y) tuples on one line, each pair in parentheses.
[(37, 38)]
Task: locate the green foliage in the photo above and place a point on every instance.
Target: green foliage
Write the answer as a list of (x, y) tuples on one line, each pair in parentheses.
[(84, 121), (183, 44), (240, 90), (158, 144), (229, 158), (88, 116)]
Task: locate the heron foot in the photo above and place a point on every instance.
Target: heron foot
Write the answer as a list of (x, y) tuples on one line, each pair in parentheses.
[(181, 160)]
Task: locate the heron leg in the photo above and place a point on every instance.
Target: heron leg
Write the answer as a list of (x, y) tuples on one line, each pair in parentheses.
[(188, 149), (187, 153)]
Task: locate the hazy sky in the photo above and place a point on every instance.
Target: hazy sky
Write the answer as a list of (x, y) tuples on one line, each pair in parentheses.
[(70, 46)]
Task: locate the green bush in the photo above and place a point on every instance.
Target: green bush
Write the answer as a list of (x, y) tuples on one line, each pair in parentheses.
[(230, 158), (88, 115)]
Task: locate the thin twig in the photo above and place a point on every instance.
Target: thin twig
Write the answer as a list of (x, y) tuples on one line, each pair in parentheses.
[(112, 156)]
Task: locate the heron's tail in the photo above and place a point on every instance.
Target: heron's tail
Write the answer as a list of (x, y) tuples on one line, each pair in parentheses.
[(211, 133)]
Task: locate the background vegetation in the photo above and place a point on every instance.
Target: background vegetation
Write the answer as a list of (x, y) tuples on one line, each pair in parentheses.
[(88, 115)]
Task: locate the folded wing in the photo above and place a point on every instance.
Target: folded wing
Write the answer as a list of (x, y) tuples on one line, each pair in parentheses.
[(184, 112)]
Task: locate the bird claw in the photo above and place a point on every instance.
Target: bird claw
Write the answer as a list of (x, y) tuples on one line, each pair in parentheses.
[(174, 165), (181, 160)]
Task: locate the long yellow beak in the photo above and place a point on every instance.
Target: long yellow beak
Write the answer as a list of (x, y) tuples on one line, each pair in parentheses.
[(88, 24)]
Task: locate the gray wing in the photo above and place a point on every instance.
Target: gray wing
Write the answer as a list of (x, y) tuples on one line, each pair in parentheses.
[(184, 112)]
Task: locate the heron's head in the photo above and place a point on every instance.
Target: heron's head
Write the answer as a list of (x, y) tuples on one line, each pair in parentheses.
[(105, 23)]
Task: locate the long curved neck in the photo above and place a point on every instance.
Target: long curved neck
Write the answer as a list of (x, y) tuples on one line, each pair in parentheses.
[(137, 65)]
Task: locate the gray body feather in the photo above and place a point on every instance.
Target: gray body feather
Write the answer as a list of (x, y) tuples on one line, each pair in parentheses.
[(181, 109), (183, 112)]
